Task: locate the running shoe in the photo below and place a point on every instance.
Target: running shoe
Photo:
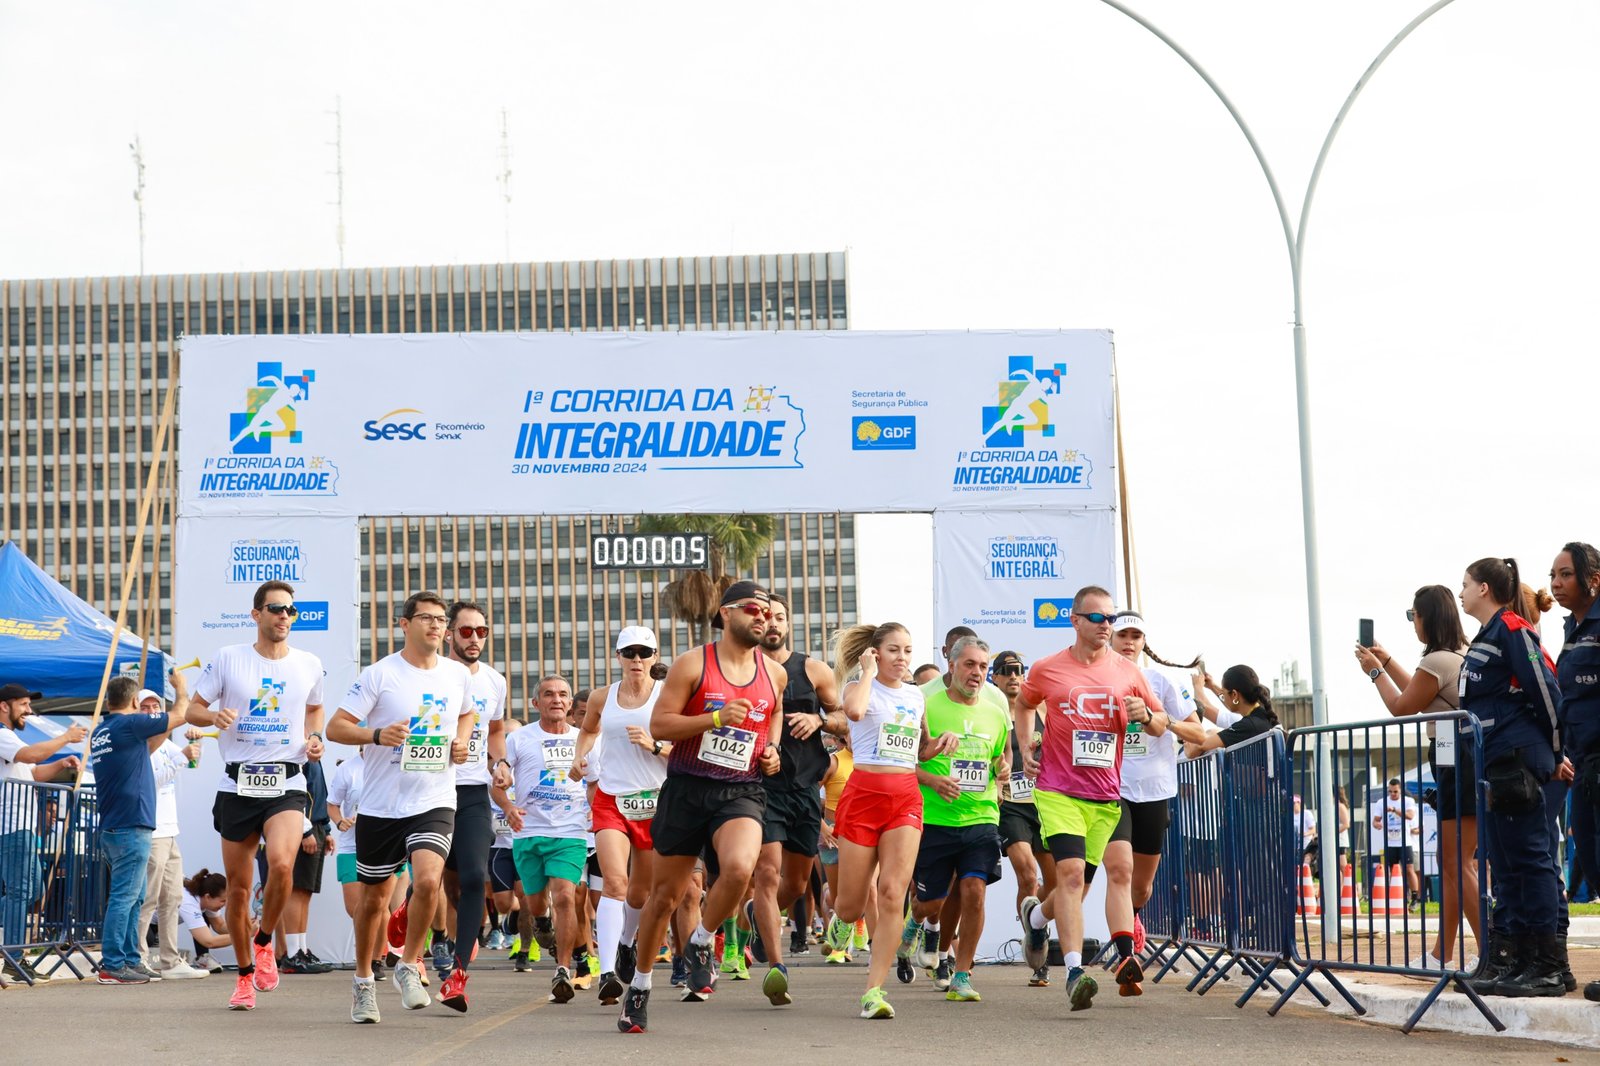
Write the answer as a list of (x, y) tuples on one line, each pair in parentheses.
[(1130, 975), (1040, 978), (665, 954), (364, 1002), (138, 967), (127, 976), (182, 971), (377, 970), (961, 990), (312, 964), (610, 989), (533, 954), (839, 934), (582, 974), (1139, 938), (635, 1011), (838, 958), (453, 993), (863, 942), (797, 943), (874, 1005), (397, 928), (680, 971), (519, 962), (697, 958), (731, 958), (408, 981), (545, 933), (266, 975), (904, 972), (1080, 988), (422, 971), (927, 955), (944, 973), (758, 947), (561, 986), (775, 986), (910, 940), (627, 962), (244, 994), (514, 945), (497, 941), (444, 956), (1035, 942)]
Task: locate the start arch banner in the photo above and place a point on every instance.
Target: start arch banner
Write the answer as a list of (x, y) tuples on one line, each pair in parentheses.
[(583, 423)]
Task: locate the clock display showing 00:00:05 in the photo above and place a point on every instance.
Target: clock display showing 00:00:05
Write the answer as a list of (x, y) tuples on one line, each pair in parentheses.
[(649, 551)]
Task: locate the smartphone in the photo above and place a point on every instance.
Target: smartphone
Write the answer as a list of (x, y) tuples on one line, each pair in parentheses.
[(1365, 639)]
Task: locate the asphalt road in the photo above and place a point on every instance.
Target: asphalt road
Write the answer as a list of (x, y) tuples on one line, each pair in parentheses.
[(307, 1020)]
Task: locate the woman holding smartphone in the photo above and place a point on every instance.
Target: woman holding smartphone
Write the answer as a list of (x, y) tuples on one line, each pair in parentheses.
[(1433, 689)]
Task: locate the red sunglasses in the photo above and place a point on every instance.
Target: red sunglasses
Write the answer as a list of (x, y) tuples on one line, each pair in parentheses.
[(468, 632), (753, 609)]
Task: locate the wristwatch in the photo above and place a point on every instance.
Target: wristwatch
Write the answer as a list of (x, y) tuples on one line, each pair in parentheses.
[(1375, 673), (655, 747)]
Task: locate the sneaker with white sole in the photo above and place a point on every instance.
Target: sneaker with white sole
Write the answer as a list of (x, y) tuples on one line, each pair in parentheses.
[(182, 972), (409, 984), (364, 1002)]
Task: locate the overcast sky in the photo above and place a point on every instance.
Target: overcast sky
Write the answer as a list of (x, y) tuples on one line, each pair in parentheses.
[(1002, 165)]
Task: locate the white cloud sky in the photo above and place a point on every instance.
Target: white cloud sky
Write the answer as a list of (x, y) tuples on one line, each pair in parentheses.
[(1019, 165)]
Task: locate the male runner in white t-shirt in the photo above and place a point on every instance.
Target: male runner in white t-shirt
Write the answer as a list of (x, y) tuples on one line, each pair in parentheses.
[(265, 701), (466, 869), (407, 709)]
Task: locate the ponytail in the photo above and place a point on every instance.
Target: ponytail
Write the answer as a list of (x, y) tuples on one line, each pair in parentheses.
[(1198, 659), (848, 644), (1502, 578), (1243, 680), (206, 883)]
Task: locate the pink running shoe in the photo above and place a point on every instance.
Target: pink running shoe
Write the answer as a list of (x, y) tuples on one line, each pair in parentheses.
[(266, 975), (244, 994)]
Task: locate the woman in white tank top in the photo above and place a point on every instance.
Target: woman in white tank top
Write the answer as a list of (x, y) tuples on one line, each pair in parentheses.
[(631, 767)]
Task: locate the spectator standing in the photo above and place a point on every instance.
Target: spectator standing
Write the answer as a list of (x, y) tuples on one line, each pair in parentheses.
[(1393, 816), (1575, 584), (119, 751), (20, 880), (163, 872)]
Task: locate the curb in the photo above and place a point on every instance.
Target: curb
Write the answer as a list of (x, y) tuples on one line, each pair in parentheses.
[(1570, 1020)]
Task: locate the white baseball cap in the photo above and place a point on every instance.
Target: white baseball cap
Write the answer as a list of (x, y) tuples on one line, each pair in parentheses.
[(1129, 620), (148, 694), (637, 635)]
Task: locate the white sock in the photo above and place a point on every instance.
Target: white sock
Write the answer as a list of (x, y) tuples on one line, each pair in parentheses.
[(365, 980), (295, 943), (608, 918), (701, 935), (1073, 959), (630, 922), (641, 980), (950, 953), (1036, 918), (930, 927)]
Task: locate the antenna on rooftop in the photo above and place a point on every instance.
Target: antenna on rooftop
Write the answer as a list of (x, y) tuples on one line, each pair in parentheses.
[(138, 193), (338, 173)]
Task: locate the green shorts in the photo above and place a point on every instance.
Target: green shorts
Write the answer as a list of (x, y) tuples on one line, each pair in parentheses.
[(1091, 821), (538, 859), (345, 867)]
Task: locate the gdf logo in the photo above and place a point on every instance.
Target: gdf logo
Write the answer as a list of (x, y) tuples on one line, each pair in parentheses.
[(884, 433), (393, 426)]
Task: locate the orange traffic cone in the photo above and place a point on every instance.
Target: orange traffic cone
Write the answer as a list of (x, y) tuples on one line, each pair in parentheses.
[(1397, 891), (1379, 899), (1309, 905), (1347, 893)]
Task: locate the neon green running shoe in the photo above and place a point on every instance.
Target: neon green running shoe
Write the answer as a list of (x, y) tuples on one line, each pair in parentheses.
[(837, 958), (839, 934), (534, 954), (863, 942), (874, 1005), (776, 987), (961, 990)]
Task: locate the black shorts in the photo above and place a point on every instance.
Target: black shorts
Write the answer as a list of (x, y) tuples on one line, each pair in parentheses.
[(1144, 825), (1398, 855), (592, 869), (473, 834), (1019, 824), (502, 870), (384, 844), (950, 852), (690, 809), (238, 818), (1447, 778), (308, 868), (794, 819)]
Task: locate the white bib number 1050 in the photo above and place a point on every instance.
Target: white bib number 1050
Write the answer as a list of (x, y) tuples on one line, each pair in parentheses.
[(261, 780)]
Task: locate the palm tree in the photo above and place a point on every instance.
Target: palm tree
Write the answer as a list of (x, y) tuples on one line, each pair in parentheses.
[(737, 541)]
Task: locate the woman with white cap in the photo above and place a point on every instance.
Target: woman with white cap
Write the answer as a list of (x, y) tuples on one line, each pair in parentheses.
[(632, 765), (1149, 769)]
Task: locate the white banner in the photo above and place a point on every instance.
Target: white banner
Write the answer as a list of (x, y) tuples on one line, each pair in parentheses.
[(585, 423), (1011, 575), (223, 561)]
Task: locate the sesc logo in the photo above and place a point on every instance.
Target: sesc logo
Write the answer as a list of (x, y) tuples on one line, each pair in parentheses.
[(393, 426), (313, 616), (884, 433), (1052, 613)]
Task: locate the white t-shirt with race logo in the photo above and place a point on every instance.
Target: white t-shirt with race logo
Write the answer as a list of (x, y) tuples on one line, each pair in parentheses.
[(1396, 826), (190, 914), (344, 792), (1150, 764), (486, 699), (271, 696), (13, 810), (554, 805), (429, 704)]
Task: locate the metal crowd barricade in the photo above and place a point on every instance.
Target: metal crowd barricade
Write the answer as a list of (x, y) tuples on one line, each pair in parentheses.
[(1163, 913), (51, 874), (1376, 928), (1206, 909)]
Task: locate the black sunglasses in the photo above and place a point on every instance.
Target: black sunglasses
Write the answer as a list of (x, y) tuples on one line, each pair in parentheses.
[(1095, 617), (1411, 614), (1008, 671), (636, 651), (283, 608)]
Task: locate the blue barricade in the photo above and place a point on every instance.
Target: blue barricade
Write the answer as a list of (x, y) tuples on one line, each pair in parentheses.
[(51, 884), (1386, 778)]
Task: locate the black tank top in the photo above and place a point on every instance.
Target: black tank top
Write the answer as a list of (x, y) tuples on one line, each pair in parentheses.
[(804, 761)]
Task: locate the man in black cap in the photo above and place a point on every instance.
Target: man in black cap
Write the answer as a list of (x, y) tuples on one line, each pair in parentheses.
[(19, 842), (722, 712)]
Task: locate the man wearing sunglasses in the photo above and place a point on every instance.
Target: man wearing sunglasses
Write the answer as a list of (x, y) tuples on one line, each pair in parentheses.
[(264, 699), (722, 712), (1089, 695), (466, 868)]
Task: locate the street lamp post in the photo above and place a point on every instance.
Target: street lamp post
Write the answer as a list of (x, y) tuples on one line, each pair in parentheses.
[(1295, 240)]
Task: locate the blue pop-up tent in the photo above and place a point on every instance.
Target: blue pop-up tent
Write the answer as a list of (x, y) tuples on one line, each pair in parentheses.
[(54, 643)]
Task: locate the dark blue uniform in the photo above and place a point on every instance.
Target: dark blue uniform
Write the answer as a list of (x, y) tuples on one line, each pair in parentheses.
[(1510, 685), (1578, 671)]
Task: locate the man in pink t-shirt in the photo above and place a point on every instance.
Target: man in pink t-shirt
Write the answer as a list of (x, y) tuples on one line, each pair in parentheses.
[(1089, 694)]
